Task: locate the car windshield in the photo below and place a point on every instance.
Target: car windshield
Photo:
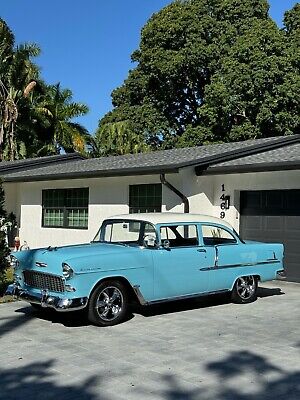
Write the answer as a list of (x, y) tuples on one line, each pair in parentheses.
[(123, 232)]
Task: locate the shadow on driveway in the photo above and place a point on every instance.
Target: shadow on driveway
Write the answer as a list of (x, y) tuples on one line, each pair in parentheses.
[(36, 381), (79, 319), (241, 375)]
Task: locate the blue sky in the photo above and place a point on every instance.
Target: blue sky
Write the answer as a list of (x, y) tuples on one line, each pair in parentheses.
[(86, 45)]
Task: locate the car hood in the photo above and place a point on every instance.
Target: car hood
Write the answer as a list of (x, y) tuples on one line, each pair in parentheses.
[(50, 259)]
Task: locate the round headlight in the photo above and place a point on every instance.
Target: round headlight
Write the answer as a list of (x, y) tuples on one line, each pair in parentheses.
[(14, 262), (67, 271)]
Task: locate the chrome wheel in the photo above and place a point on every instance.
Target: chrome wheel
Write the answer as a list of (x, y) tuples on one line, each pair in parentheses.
[(246, 287), (109, 303)]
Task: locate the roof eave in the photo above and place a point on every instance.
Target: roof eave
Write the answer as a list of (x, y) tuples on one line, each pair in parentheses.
[(248, 168), (93, 174), (248, 151)]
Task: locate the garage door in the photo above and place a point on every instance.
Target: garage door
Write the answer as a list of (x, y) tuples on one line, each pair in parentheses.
[(274, 216)]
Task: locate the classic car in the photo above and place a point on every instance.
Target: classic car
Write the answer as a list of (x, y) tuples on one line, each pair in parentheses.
[(145, 258)]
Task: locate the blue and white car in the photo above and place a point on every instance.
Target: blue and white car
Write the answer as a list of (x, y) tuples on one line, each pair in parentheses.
[(145, 258)]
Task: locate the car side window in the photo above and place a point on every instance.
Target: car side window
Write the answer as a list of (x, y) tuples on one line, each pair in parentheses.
[(180, 235), (215, 235)]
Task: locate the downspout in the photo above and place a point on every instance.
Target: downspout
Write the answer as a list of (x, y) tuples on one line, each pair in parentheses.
[(184, 199)]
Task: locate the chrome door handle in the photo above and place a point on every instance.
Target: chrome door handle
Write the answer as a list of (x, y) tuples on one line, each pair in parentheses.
[(201, 251)]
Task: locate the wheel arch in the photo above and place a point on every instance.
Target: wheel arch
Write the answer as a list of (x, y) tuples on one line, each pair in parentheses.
[(131, 292), (257, 276)]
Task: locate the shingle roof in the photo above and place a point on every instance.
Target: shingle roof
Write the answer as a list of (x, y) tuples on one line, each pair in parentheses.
[(27, 163), (287, 157), (164, 161)]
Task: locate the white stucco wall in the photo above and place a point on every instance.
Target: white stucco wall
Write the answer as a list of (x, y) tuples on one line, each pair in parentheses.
[(12, 199), (107, 197), (110, 196)]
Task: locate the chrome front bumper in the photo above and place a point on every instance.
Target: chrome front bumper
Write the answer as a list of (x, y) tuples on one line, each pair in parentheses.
[(44, 299)]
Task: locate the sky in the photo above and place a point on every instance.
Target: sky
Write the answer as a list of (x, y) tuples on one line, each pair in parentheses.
[(86, 45)]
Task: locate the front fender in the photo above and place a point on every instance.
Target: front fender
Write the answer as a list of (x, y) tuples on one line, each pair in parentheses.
[(135, 267)]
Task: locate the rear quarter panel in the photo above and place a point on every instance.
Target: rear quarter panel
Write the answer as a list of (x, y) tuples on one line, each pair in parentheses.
[(261, 259)]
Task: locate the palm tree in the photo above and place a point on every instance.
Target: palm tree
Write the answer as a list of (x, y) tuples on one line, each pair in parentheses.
[(59, 109), (117, 138), (35, 119), (17, 80)]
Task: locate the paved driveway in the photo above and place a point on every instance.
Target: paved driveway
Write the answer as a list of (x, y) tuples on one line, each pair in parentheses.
[(205, 349)]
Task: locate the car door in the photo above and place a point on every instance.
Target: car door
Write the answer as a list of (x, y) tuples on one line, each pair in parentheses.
[(180, 261), (230, 252)]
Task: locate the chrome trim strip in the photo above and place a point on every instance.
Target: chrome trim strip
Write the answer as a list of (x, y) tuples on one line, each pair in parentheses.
[(269, 261), (216, 256), (189, 296), (139, 295)]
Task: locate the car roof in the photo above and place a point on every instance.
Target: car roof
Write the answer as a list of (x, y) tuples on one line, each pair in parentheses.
[(170, 217)]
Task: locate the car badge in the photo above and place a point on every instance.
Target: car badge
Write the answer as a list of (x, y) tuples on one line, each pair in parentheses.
[(40, 264)]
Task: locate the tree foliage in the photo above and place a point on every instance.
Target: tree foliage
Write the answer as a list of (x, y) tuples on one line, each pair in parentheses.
[(211, 71), (35, 118)]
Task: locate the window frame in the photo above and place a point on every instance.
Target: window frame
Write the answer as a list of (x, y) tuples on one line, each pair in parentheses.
[(176, 224), (101, 231), (65, 209), (136, 209), (233, 234)]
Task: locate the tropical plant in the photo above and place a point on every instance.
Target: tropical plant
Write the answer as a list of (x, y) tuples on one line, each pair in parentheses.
[(17, 80), (59, 110), (118, 138), (36, 119)]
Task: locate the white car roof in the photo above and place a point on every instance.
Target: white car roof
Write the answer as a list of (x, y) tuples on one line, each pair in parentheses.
[(170, 217)]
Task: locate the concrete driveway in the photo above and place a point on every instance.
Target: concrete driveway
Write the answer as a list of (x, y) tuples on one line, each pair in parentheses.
[(201, 349)]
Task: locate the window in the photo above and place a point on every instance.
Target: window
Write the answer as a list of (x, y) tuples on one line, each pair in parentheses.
[(65, 208), (122, 232), (215, 235), (145, 198), (180, 235)]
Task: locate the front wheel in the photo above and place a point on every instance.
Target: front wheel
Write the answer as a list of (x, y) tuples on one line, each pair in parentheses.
[(108, 304), (244, 290)]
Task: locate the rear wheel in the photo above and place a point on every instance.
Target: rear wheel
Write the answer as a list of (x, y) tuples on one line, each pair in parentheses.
[(108, 304), (245, 289)]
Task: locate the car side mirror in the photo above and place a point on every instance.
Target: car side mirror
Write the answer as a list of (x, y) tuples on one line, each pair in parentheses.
[(166, 244), (150, 241)]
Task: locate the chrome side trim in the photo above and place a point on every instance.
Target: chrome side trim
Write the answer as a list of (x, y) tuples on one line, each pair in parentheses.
[(216, 256), (190, 296), (272, 261), (139, 295)]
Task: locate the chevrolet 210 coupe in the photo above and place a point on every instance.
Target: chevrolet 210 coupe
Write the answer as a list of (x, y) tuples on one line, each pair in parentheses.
[(145, 258)]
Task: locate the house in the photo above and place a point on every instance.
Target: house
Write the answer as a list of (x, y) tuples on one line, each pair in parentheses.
[(254, 185)]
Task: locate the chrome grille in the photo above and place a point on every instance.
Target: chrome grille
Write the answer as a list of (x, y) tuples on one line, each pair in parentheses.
[(44, 281)]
